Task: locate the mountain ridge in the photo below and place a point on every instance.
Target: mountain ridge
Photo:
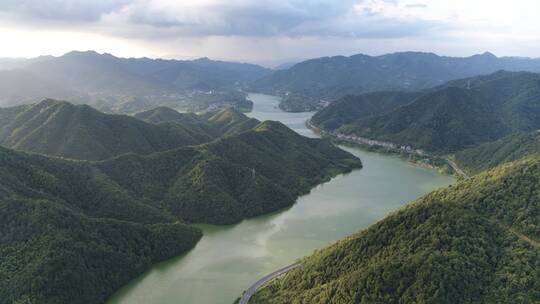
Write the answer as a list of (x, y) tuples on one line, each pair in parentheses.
[(330, 78), (103, 78), (81, 132)]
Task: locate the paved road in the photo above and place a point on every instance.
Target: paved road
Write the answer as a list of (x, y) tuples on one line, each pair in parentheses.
[(455, 167), (260, 283)]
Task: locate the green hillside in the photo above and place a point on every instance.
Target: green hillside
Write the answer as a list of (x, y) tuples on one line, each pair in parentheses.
[(164, 114), (455, 117), (235, 177), (230, 121), (75, 231), (354, 107), (492, 154), (70, 235), (214, 123), (80, 132), (475, 242)]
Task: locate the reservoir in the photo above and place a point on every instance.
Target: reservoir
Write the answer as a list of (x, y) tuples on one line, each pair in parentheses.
[(228, 259)]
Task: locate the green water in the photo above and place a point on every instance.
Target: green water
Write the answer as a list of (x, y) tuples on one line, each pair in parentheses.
[(228, 259)]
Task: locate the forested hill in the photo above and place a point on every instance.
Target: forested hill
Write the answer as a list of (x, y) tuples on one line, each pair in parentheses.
[(492, 154), (164, 114), (475, 242), (218, 122), (354, 107), (252, 169), (81, 132), (75, 231), (459, 115), (334, 77), (232, 178), (70, 235)]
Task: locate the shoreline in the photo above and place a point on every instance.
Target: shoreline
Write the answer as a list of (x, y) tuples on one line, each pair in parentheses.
[(416, 157)]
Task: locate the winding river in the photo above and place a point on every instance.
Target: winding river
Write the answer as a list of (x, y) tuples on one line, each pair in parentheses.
[(228, 259)]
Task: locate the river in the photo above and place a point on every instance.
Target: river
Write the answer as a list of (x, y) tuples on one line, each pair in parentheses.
[(228, 259)]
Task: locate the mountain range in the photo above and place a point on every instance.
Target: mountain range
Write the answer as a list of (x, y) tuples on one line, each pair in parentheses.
[(93, 77), (330, 78), (80, 132)]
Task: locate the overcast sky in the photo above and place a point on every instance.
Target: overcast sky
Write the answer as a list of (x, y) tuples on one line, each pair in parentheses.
[(268, 31)]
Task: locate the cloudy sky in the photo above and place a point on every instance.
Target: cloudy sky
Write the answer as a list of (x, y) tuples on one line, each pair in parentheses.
[(268, 31)]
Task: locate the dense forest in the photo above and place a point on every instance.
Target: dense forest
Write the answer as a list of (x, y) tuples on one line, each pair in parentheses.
[(492, 154), (458, 115), (78, 131), (474, 242), (245, 168), (238, 176), (70, 235), (350, 108)]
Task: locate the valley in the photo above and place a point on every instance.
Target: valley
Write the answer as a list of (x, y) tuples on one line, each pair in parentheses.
[(269, 152), (228, 259), (110, 217)]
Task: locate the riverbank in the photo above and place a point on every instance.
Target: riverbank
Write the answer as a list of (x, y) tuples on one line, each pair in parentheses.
[(418, 157)]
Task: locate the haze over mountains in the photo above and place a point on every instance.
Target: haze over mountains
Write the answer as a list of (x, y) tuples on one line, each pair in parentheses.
[(333, 77), (107, 81), (91, 77)]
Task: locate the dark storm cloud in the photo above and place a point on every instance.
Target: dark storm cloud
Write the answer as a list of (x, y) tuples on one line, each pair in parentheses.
[(155, 19), (255, 18), (292, 18)]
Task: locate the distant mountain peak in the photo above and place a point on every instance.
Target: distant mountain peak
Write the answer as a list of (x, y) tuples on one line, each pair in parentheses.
[(488, 55), (81, 53)]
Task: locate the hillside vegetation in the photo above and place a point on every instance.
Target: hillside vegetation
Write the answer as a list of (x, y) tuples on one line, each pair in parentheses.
[(248, 174), (492, 154), (355, 107), (459, 115), (475, 242), (70, 235), (81, 132)]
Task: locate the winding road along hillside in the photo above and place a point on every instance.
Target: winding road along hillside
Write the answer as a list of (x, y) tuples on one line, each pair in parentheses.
[(260, 283)]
